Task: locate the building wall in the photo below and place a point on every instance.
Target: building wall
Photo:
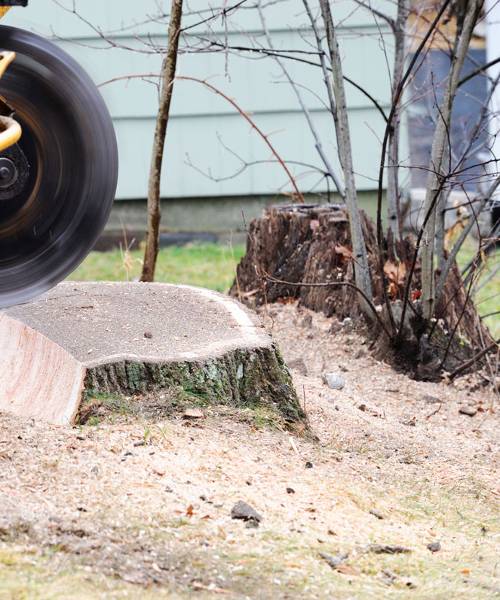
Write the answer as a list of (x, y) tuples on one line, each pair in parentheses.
[(205, 129)]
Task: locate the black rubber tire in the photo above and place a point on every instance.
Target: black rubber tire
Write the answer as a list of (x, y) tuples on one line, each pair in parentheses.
[(68, 137)]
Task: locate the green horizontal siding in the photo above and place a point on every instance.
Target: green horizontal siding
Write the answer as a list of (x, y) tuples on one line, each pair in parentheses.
[(202, 120)]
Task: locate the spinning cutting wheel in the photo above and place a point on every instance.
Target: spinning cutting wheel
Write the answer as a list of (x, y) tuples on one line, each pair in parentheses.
[(57, 183)]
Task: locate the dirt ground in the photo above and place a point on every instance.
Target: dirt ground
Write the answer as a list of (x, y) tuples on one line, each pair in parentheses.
[(130, 508)]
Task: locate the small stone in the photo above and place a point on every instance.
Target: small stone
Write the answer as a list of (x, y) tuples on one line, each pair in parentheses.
[(434, 546), (193, 413), (361, 353), (334, 561), (252, 524), (470, 411), (243, 511), (148, 335), (334, 381), (309, 465), (290, 490), (347, 324)]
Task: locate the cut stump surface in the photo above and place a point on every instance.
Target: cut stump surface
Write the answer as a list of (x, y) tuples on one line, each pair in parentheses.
[(82, 339)]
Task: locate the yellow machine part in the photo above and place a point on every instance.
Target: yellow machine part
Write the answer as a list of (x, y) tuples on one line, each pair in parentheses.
[(10, 130)]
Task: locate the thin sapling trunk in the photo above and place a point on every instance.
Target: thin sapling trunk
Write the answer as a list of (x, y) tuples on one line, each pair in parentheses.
[(168, 72), (362, 272)]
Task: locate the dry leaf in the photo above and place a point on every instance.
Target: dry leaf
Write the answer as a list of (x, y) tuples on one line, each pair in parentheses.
[(396, 274), (343, 251)]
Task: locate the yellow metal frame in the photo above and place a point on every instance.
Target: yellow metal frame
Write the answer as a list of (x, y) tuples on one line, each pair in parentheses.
[(10, 130)]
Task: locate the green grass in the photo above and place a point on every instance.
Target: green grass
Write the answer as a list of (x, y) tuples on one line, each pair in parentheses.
[(211, 266), (487, 290)]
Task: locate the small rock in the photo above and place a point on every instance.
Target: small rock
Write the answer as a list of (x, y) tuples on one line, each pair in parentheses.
[(470, 411), (309, 465), (388, 549), (193, 413), (243, 511), (298, 365), (334, 381), (347, 324), (148, 335), (252, 524), (361, 353), (376, 514), (290, 490), (434, 546), (334, 561)]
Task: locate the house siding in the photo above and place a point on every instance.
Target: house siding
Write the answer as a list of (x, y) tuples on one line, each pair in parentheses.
[(205, 129)]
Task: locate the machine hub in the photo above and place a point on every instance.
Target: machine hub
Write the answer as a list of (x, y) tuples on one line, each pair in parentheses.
[(8, 173)]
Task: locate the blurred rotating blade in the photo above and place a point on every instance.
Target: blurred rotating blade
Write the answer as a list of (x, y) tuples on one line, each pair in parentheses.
[(58, 183)]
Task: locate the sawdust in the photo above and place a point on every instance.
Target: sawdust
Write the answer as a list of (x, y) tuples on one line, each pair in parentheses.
[(135, 508)]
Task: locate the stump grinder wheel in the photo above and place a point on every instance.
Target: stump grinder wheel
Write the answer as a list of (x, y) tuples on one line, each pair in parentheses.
[(58, 182)]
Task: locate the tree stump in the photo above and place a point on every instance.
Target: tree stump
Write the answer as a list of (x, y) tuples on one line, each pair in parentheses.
[(293, 246), (303, 244), (82, 342)]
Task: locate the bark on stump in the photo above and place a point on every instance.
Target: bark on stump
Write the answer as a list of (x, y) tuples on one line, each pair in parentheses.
[(303, 244)]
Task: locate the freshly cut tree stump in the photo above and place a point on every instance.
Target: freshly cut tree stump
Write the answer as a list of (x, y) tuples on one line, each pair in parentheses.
[(85, 339)]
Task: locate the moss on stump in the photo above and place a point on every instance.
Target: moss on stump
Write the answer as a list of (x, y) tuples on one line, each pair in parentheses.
[(249, 378)]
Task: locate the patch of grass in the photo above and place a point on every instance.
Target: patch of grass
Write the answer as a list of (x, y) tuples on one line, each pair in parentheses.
[(488, 285), (98, 405), (206, 265)]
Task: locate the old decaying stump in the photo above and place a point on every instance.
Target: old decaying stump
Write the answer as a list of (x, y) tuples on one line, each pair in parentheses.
[(304, 244), (85, 344)]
